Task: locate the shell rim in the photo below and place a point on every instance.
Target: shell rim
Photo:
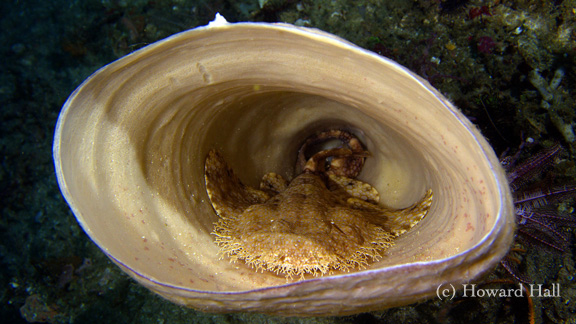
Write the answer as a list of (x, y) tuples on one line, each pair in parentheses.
[(310, 33)]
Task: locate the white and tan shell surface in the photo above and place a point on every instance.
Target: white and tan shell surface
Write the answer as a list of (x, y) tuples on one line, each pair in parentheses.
[(131, 142)]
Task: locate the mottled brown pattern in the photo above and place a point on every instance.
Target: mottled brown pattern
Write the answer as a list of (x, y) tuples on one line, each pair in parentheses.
[(318, 223)]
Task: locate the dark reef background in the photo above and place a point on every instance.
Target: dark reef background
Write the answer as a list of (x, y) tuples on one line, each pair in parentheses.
[(509, 65)]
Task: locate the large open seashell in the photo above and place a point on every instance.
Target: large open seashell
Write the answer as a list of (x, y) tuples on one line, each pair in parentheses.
[(131, 141)]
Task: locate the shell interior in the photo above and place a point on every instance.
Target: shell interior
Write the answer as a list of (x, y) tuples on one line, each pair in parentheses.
[(131, 141)]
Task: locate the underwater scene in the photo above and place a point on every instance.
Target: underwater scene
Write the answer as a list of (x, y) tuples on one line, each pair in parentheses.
[(508, 66)]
